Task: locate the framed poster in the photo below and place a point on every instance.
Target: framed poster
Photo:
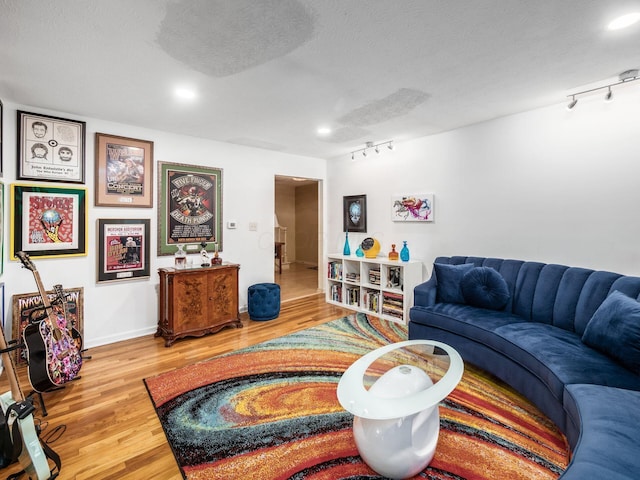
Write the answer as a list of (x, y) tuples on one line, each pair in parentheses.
[(28, 307), (416, 207), (123, 249), (354, 213), (190, 206), (124, 172), (48, 221), (50, 148)]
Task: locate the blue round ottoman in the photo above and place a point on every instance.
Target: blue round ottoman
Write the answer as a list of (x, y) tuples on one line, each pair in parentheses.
[(264, 301)]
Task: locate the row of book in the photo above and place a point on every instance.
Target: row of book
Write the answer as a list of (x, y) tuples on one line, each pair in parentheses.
[(336, 292), (371, 300), (352, 277), (353, 296), (392, 304), (334, 270), (374, 277)]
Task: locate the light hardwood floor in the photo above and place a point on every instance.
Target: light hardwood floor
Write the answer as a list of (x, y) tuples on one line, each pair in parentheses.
[(296, 281), (112, 431)]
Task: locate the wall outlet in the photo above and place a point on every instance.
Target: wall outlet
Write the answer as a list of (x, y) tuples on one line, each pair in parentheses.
[(253, 226)]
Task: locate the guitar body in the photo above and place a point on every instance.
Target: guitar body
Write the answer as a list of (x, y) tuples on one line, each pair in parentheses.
[(54, 356), (32, 457)]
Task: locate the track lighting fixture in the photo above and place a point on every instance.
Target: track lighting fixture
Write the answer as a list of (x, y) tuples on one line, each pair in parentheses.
[(627, 76), (376, 148)]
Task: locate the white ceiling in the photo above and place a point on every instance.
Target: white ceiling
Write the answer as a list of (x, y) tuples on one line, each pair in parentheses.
[(270, 72)]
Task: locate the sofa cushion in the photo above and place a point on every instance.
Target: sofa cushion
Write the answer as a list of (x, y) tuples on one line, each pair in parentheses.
[(614, 330), (449, 278), (484, 287)]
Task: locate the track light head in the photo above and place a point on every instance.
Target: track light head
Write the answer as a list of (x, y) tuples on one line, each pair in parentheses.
[(377, 149), (353, 155), (609, 96), (390, 146), (572, 103), (364, 153)]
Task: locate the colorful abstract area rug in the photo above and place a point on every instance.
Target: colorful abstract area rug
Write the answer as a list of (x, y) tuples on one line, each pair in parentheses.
[(270, 412)]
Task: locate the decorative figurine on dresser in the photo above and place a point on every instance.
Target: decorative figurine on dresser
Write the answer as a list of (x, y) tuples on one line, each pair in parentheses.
[(197, 301)]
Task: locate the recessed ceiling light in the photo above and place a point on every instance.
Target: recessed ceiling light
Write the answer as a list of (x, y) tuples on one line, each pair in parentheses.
[(624, 21), (324, 131), (185, 93)]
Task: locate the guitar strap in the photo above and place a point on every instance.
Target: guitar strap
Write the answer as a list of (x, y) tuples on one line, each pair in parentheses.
[(23, 410)]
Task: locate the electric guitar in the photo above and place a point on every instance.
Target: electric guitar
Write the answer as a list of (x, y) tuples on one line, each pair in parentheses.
[(53, 356), (32, 456)]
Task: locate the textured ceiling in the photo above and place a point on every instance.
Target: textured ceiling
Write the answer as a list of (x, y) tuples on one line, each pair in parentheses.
[(270, 72)]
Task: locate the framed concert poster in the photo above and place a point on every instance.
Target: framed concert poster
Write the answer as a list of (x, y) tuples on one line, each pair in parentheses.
[(190, 207), (28, 307), (48, 221), (50, 148), (354, 213), (124, 172), (123, 249)]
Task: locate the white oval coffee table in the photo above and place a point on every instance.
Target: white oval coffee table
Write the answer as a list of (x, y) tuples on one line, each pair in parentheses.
[(396, 420)]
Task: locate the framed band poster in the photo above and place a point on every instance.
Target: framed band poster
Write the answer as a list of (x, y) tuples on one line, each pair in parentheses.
[(123, 249), (48, 221), (50, 148), (124, 172), (190, 207)]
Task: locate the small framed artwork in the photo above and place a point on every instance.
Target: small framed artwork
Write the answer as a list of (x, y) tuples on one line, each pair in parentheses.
[(412, 207), (48, 221), (354, 213), (124, 172), (190, 207), (50, 148), (27, 307), (123, 249)]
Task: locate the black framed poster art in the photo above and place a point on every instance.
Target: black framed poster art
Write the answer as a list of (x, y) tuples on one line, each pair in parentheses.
[(189, 207), (123, 249)]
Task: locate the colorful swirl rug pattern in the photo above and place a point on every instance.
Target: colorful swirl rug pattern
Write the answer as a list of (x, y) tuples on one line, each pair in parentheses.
[(270, 412)]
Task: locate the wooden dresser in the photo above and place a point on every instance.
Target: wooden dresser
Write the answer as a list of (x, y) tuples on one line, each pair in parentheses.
[(197, 301)]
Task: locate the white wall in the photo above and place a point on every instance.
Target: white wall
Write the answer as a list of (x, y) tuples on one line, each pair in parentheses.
[(548, 185), (120, 310)]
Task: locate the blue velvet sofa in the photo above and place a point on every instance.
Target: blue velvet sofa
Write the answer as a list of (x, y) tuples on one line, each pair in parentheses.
[(567, 338)]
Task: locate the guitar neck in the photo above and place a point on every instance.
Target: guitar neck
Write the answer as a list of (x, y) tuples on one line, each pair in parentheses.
[(7, 363)]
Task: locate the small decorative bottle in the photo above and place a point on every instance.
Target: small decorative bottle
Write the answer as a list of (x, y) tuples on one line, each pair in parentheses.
[(393, 255), (217, 259), (180, 257), (346, 250), (404, 253), (359, 252)]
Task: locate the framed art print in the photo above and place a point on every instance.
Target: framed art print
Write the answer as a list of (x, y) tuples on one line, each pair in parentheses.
[(123, 249), (354, 213), (124, 172), (50, 148), (48, 221), (412, 207), (189, 206)]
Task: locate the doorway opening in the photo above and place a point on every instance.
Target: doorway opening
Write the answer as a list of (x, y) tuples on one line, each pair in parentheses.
[(297, 243)]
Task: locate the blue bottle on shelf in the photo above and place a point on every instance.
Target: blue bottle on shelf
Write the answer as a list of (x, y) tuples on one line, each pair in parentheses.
[(346, 250), (404, 253)]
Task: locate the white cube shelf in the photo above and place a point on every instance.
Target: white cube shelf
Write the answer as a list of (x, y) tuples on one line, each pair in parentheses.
[(377, 286)]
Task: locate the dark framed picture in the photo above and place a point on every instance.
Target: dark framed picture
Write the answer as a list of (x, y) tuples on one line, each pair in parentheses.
[(50, 148), (48, 221), (123, 249), (124, 172), (354, 213), (189, 206), (27, 307)]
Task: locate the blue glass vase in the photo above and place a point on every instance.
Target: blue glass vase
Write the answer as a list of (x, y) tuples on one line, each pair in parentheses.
[(346, 250), (359, 252), (404, 253)]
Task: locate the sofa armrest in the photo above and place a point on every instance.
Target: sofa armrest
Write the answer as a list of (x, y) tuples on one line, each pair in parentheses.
[(424, 294)]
